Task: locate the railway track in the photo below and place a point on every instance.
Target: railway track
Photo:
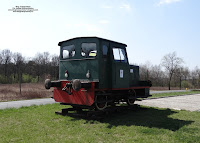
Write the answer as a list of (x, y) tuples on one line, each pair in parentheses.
[(96, 115)]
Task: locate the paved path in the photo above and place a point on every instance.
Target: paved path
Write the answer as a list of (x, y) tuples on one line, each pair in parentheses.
[(185, 102), (168, 91), (21, 103)]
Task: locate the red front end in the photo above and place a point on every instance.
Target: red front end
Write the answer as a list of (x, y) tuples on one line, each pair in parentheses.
[(85, 96)]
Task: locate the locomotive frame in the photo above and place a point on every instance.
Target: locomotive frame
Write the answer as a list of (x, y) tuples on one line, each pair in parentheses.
[(95, 73)]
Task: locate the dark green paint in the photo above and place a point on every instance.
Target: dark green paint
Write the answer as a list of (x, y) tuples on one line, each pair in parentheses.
[(102, 68), (134, 77)]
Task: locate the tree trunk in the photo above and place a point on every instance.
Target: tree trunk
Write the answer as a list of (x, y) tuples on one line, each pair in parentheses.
[(170, 78), (38, 79), (20, 82)]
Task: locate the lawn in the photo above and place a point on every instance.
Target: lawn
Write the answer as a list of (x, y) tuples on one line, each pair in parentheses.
[(158, 95), (41, 124)]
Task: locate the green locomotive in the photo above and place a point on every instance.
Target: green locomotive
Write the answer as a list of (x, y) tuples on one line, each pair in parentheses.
[(95, 73)]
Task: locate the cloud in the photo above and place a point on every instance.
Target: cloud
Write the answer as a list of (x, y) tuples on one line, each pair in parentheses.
[(92, 28), (106, 7), (126, 7), (162, 2), (84, 27), (104, 21)]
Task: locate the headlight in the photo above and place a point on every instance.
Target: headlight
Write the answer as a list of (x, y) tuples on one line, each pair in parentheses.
[(88, 74), (66, 74)]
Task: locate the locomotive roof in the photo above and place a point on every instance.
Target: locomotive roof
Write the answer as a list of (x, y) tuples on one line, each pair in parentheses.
[(59, 44)]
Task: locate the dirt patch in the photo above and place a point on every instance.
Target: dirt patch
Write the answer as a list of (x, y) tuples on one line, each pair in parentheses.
[(9, 92)]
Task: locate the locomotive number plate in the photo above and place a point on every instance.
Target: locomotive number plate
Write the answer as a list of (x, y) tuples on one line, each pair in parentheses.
[(121, 73)]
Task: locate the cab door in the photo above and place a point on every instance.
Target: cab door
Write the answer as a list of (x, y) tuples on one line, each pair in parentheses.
[(120, 67), (105, 66)]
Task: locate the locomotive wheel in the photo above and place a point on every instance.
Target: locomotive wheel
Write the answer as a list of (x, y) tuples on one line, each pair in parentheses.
[(102, 105), (131, 97)]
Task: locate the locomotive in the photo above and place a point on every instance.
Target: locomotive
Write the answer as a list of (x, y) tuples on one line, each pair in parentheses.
[(95, 73)]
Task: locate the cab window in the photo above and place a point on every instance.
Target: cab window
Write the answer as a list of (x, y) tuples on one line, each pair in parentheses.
[(119, 55), (105, 51), (88, 50), (68, 52)]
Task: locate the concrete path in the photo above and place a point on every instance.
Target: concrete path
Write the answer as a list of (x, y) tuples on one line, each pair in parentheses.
[(23, 103), (168, 91), (185, 102)]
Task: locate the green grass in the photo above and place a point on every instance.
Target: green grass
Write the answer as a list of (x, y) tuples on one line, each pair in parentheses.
[(158, 95), (40, 124)]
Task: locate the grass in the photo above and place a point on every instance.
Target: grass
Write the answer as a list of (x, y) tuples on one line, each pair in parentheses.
[(10, 92), (158, 95), (41, 124)]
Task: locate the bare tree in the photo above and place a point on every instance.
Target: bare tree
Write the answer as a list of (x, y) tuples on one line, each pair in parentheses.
[(171, 63), (18, 62), (55, 66), (46, 61), (6, 60), (1, 63), (42, 62), (144, 68), (38, 69), (14, 65), (197, 76), (179, 74), (193, 77), (157, 76), (1, 60)]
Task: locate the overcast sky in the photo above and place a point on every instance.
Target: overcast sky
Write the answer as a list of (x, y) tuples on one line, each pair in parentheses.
[(150, 28)]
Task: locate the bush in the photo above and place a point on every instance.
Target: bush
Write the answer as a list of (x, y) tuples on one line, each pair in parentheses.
[(26, 78), (186, 84), (3, 79)]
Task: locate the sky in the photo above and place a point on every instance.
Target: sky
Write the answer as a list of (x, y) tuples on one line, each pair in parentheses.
[(150, 28)]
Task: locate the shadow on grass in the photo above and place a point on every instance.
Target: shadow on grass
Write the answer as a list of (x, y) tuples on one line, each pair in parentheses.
[(146, 117)]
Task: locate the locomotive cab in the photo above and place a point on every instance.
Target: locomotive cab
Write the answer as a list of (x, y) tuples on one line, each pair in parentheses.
[(95, 72)]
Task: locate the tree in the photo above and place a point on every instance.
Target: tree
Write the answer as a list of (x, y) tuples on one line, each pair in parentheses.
[(197, 76), (193, 77), (38, 68), (144, 68), (1, 60), (6, 56), (55, 66), (171, 63), (13, 66), (42, 63), (18, 62), (179, 74), (157, 76), (1, 64)]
